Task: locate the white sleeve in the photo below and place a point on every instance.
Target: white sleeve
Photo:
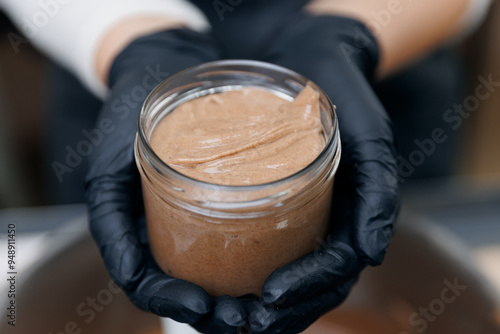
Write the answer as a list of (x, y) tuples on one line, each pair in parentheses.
[(472, 18), (69, 31)]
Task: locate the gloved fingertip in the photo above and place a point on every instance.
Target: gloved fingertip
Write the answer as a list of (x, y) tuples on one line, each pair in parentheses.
[(234, 319), (261, 319), (371, 244), (124, 262), (270, 296), (182, 301), (231, 311)]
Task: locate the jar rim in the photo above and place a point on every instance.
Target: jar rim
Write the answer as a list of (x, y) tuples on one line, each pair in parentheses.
[(159, 165)]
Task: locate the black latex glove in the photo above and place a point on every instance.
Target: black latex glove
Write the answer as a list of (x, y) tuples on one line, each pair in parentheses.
[(339, 55), (113, 185)]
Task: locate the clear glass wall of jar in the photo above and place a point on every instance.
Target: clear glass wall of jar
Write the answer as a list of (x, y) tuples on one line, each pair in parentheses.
[(228, 239)]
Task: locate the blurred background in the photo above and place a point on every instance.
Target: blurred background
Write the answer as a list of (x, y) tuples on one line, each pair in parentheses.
[(453, 185), (44, 109)]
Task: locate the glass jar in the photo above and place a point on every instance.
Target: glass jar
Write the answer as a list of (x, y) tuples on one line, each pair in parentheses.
[(228, 239)]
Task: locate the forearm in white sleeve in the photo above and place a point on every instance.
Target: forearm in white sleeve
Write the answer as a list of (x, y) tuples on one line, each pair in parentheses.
[(69, 31)]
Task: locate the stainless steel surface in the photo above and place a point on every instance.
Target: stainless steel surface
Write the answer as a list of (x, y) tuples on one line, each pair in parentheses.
[(70, 290)]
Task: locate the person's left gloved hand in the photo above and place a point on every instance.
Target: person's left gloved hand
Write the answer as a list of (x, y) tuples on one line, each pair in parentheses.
[(114, 196), (339, 55)]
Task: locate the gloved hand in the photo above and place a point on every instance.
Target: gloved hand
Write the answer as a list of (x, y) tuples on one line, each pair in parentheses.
[(339, 55), (113, 190)]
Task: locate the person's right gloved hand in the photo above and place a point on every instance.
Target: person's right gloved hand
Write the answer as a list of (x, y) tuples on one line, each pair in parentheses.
[(113, 191)]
